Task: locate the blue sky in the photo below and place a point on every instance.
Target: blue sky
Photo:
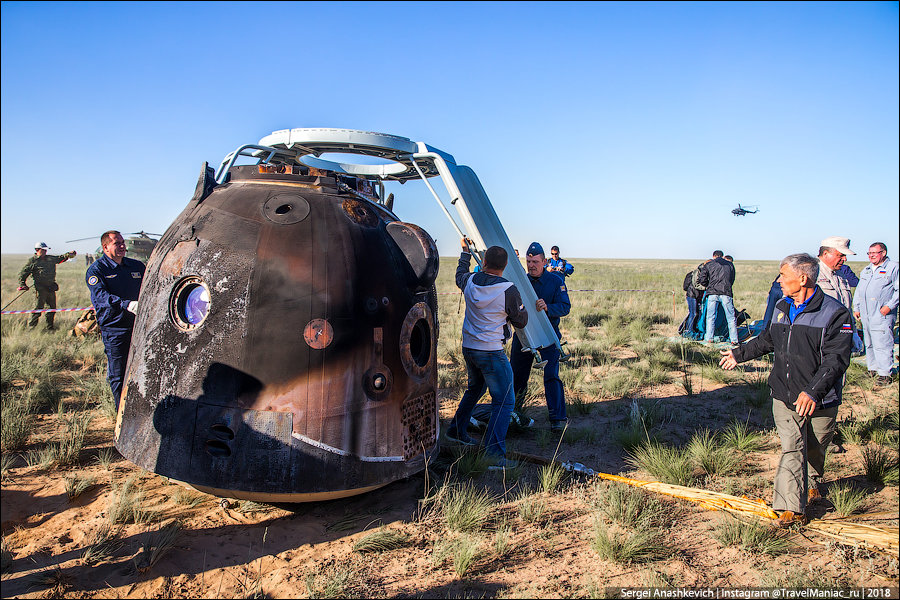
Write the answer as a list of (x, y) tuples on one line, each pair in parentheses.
[(613, 130)]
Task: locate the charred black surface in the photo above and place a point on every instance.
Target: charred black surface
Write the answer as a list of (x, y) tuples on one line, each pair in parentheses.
[(314, 368)]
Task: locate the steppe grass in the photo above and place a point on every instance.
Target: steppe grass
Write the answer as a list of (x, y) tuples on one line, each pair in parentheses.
[(469, 462), (741, 437), (710, 456), (380, 541), (103, 544), (6, 463), (551, 477), (666, 463), (880, 465), (334, 579), (462, 506), (629, 506), (846, 498), (126, 504), (67, 450), (531, 506), (639, 546), (77, 485), (463, 551), (15, 426), (156, 545), (752, 537), (189, 498)]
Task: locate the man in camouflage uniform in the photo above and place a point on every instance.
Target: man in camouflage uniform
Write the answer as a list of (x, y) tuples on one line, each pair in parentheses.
[(42, 268)]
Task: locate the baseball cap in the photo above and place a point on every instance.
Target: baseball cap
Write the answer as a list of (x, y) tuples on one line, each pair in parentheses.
[(534, 249), (41, 245), (840, 244)]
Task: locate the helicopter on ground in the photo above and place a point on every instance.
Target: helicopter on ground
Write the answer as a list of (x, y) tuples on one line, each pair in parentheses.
[(139, 244), (740, 211)]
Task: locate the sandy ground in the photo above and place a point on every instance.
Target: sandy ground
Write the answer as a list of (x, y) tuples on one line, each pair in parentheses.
[(244, 550)]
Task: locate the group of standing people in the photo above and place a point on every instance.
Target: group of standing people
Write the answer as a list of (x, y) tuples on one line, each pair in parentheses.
[(874, 304), (492, 305), (811, 331), (711, 284)]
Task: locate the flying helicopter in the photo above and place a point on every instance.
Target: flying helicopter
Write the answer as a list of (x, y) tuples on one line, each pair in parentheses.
[(139, 244), (740, 211), (285, 343)]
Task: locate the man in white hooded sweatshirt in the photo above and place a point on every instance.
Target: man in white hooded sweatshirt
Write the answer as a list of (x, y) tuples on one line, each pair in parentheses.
[(492, 304)]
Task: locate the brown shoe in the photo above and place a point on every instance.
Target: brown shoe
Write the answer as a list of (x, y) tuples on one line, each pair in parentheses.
[(788, 518)]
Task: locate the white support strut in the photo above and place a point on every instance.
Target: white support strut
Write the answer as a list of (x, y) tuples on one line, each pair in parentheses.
[(410, 160)]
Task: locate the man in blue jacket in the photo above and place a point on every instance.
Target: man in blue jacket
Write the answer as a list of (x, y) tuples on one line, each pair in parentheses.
[(811, 336), (115, 282), (875, 304), (554, 299)]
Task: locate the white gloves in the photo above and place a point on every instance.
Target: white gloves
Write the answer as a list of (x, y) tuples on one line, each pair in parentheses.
[(132, 307)]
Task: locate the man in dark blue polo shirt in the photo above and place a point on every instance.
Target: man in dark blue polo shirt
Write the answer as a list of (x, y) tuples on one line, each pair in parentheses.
[(115, 282)]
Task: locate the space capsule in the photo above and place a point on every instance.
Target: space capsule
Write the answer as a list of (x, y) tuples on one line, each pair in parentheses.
[(285, 343)]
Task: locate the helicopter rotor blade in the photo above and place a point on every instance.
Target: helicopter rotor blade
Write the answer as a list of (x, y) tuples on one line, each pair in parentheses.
[(93, 237)]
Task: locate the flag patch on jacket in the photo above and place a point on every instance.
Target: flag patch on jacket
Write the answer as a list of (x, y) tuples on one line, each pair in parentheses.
[(846, 328)]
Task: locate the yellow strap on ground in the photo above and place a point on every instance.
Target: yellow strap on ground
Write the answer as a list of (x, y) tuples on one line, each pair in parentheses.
[(706, 498), (881, 539)]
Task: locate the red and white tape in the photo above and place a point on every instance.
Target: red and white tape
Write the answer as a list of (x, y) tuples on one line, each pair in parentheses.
[(43, 310)]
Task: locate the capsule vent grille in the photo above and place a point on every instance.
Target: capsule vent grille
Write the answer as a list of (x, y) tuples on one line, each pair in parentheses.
[(419, 430)]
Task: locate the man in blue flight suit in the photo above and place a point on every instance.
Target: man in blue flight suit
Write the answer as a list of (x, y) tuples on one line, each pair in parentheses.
[(559, 265), (553, 298), (115, 282)]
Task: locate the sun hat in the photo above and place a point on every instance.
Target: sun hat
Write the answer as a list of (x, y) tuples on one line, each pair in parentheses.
[(840, 244)]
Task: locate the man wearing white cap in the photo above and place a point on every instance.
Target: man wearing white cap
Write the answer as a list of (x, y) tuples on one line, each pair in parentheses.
[(835, 278), (42, 269), (833, 253)]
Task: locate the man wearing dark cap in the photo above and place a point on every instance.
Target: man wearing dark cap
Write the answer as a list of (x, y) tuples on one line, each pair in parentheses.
[(42, 269), (554, 299)]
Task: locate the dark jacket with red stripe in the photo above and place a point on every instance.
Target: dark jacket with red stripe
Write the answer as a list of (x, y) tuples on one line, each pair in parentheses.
[(811, 355)]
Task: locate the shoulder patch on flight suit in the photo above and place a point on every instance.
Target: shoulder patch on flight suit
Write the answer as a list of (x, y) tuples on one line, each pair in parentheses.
[(780, 315), (135, 275), (92, 280)]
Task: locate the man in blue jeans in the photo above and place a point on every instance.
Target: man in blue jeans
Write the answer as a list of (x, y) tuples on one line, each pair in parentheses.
[(491, 301), (718, 277)]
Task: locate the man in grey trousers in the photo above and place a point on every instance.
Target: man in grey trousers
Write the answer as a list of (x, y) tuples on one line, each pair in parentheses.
[(811, 335)]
